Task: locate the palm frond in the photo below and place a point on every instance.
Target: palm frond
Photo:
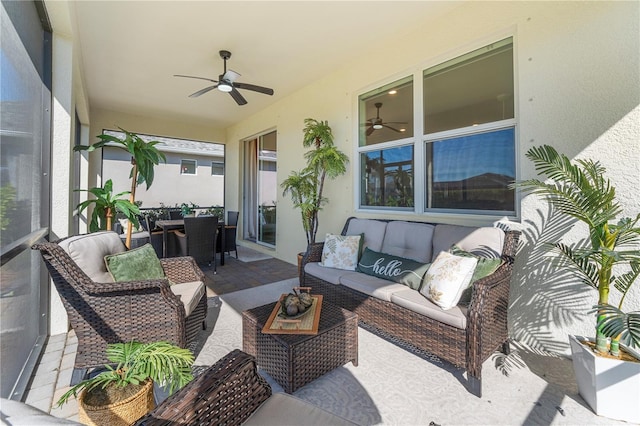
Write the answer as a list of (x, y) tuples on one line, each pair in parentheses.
[(580, 192)]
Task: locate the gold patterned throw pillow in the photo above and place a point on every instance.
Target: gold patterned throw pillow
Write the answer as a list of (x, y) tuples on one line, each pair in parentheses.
[(447, 278), (341, 251)]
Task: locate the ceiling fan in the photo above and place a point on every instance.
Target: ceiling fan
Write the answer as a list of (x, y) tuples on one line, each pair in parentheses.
[(374, 124), (227, 83)]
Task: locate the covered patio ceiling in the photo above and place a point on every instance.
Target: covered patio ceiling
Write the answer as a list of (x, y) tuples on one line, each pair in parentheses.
[(130, 50)]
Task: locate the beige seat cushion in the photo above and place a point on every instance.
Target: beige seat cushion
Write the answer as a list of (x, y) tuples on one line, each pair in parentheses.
[(190, 294), (282, 409), (89, 250), (413, 300), (372, 286), (409, 240), (331, 275)]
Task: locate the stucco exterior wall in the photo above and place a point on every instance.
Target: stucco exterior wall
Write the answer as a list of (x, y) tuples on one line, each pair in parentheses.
[(577, 79)]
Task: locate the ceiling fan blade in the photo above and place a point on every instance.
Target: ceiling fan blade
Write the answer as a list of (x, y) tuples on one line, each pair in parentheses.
[(395, 122), (391, 128), (231, 75), (369, 131), (253, 87), (199, 78), (240, 100), (203, 91)]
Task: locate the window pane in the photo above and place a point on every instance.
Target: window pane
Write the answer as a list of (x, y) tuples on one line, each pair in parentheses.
[(217, 168), (386, 113), (472, 89), (473, 172), (188, 167), (387, 177)]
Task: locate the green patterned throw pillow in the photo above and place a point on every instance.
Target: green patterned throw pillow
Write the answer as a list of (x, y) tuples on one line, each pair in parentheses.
[(486, 266), (138, 264), (393, 268)]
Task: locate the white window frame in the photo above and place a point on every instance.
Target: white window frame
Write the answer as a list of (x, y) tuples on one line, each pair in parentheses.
[(420, 140)]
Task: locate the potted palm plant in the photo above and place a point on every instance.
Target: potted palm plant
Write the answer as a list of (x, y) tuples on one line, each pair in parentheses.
[(609, 259), (105, 206), (306, 186), (144, 156), (123, 393)]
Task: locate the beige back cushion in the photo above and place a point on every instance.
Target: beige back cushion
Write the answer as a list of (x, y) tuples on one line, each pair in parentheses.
[(484, 242), (408, 240), (373, 231), (89, 250)]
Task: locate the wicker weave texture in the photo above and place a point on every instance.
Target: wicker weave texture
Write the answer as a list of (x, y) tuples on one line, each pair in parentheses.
[(199, 238), (104, 313), (225, 394), (486, 316), (295, 360)]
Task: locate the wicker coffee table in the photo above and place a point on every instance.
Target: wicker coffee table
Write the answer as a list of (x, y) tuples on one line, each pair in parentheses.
[(293, 360)]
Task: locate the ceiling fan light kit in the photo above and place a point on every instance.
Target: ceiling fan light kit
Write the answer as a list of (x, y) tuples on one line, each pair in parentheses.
[(377, 123), (227, 83)]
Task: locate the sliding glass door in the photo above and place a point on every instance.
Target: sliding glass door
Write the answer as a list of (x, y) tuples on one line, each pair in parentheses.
[(260, 189)]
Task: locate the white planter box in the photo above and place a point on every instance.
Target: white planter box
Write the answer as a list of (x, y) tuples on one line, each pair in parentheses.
[(610, 387)]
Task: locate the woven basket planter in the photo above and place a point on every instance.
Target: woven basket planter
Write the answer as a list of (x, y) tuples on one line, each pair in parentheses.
[(121, 413)]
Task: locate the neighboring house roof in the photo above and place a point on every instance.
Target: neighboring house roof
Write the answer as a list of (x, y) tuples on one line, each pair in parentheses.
[(182, 146)]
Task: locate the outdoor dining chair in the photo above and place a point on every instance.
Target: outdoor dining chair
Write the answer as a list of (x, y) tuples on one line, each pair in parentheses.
[(199, 239), (231, 229)]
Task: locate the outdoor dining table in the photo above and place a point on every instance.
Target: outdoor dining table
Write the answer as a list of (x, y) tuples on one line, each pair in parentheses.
[(168, 225)]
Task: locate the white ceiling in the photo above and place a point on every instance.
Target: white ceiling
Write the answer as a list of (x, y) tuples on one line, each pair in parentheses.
[(130, 50)]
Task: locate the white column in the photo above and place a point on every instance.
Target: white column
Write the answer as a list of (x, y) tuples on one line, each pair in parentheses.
[(61, 160)]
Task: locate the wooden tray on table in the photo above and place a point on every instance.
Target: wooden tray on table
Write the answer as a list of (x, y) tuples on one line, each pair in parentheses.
[(306, 323)]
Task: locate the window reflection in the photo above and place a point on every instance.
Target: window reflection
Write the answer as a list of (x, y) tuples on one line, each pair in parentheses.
[(473, 172), (387, 177), (386, 113)]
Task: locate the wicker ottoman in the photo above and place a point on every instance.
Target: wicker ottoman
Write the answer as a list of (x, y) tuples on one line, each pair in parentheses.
[(293, 360)]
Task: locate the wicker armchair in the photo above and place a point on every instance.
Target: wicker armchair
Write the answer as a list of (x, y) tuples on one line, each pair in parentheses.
[(101, 313)]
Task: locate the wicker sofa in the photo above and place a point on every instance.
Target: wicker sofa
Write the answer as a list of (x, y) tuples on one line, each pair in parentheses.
[(464, 335), (102, 311)]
